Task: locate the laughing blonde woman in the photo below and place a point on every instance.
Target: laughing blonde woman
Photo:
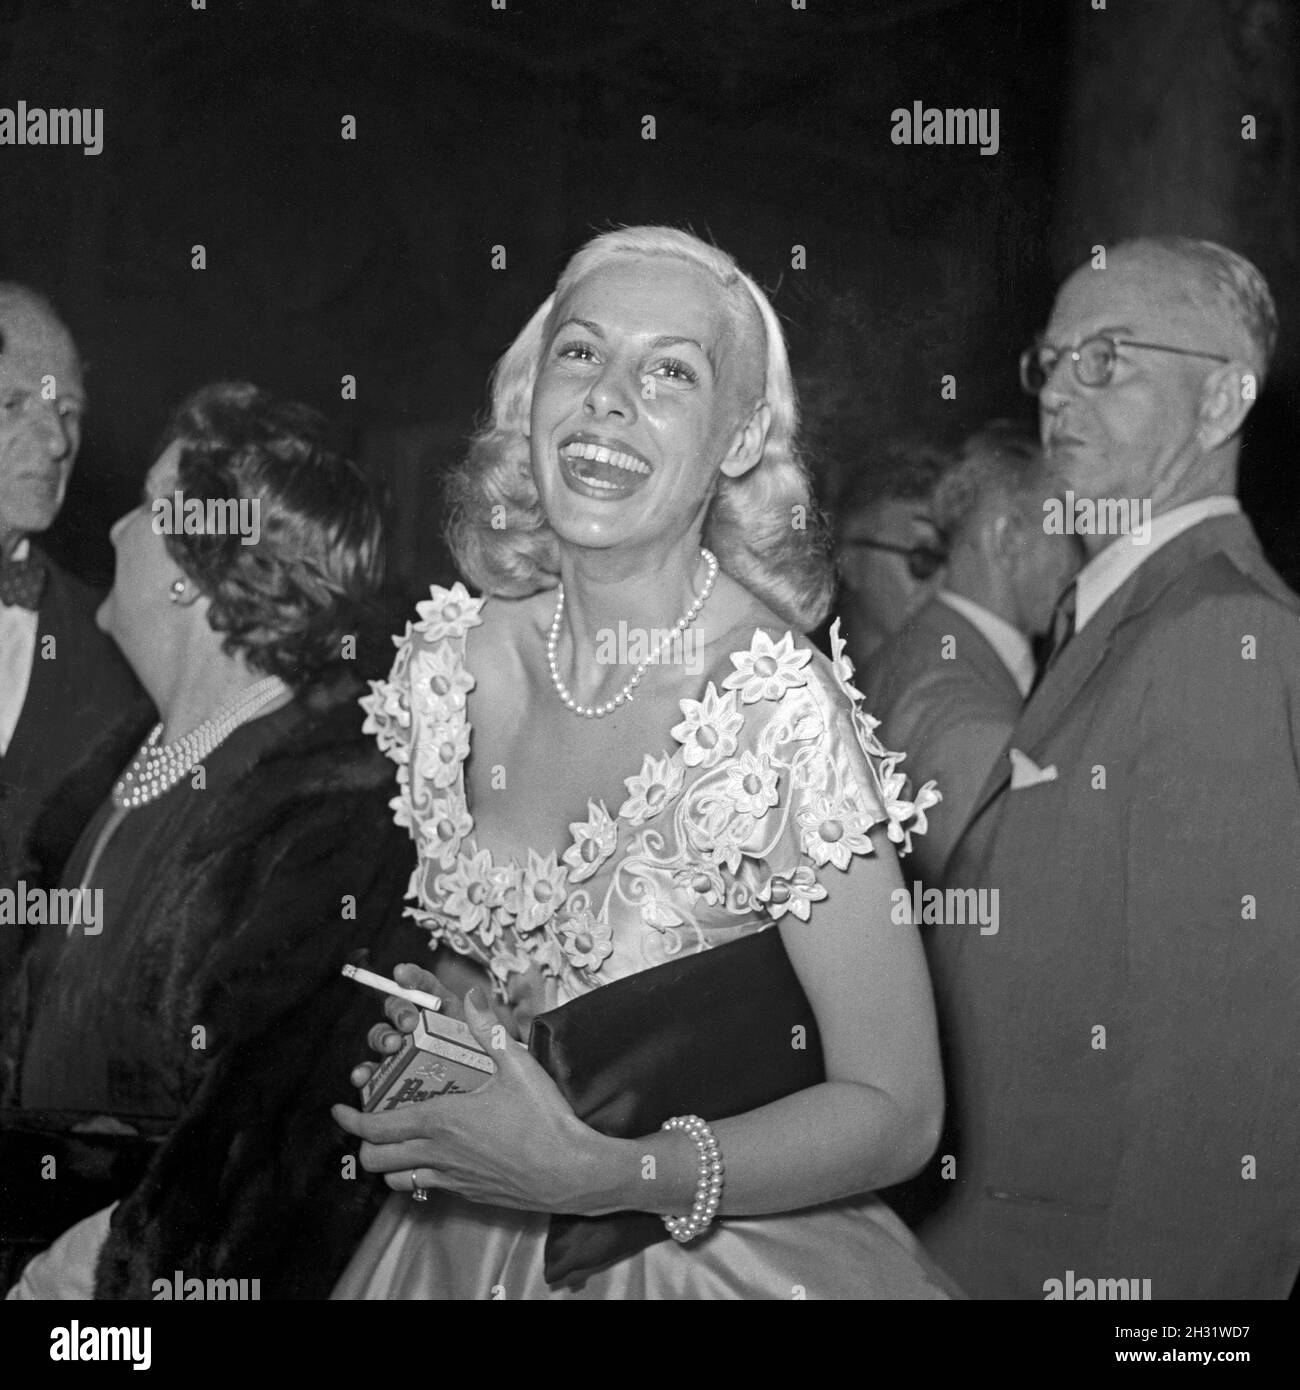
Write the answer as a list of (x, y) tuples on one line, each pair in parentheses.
[(640, 469)]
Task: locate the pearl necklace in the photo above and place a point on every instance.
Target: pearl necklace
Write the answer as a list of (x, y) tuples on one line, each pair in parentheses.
[(624, 695), (158, 767)]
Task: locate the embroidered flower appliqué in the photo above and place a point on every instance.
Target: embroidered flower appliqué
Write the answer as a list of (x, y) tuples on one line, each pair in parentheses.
[(593, 842), (834, 830), (388, 718), (659, 780), (441, 756), (900, 810), (541, 892), (702, 880), (440, 684), (467, 890), (708, 732), (448, 613), (752, 785), (587, 940), (768, 669), (794, 892), (442, 831)]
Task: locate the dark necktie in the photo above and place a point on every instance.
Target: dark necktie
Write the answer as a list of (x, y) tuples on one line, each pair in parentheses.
[(1062, 631), (22, 582)]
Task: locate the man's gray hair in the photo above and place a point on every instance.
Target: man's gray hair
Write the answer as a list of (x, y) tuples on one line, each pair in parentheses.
[(1225, 285), (1002, 457)]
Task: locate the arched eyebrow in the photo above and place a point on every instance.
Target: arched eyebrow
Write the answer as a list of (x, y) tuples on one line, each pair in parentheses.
[(668, 340), (594, 329), (665, 340)]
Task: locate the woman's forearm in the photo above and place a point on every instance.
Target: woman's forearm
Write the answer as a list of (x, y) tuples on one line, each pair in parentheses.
[(830, 1141)]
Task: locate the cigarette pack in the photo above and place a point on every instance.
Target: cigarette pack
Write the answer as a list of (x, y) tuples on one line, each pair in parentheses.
[(442, 1057)]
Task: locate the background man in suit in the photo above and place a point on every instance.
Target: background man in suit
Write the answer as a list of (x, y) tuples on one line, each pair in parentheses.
[(1123, 1053), (950, 684), (71, 712), (889, 553)]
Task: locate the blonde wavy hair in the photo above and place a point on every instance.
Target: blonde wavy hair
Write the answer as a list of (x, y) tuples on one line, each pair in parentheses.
[(764, 527)]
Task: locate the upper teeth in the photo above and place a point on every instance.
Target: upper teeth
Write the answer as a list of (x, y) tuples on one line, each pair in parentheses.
[(600, 454)]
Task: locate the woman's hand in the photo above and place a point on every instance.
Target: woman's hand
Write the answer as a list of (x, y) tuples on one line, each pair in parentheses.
[(514, 1142), (386, 1038)]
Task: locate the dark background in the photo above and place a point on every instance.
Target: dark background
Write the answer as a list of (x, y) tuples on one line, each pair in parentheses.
[(522, 128)]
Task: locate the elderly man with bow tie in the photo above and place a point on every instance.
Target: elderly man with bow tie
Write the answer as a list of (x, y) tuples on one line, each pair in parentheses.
[(1124, 1055), (70, 709)]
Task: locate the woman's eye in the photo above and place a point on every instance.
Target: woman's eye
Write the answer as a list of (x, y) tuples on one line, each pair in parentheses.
[(677, 371), (577, 352)]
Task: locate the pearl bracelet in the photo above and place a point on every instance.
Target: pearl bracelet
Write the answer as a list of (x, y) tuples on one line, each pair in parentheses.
[(708, 1188)]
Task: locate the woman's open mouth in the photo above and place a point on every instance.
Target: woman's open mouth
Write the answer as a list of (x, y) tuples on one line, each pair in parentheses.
[(596, 469)]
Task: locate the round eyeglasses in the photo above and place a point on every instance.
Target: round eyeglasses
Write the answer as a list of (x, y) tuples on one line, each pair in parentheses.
[(1093, 360)]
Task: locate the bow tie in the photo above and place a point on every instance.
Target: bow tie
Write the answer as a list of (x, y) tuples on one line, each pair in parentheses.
[(22, 582)]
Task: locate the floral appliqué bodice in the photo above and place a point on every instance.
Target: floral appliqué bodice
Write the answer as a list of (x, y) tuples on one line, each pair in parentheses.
[(774, 781)]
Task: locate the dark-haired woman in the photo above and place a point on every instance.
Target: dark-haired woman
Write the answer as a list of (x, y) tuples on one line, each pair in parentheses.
[(243, 857)]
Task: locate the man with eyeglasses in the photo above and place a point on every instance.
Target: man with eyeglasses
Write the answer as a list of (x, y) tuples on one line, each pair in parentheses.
[(70, 710), (948, 686), (889, 553), (1124, 1055)]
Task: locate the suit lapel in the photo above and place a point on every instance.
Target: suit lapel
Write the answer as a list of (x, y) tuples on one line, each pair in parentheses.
[(1085, 653), (1065, 681)]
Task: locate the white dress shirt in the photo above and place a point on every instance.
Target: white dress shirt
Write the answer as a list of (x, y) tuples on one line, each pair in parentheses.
[(1105, 573), (1011, 645), (17, 650)]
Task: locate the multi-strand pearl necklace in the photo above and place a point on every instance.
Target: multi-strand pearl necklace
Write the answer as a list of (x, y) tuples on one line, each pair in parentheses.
[(624, 695), (158, 767)]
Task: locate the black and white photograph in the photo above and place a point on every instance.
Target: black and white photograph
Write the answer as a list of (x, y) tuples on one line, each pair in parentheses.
[(649, 651)]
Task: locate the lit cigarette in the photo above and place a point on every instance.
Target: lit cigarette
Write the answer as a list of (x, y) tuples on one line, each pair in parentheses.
[(381, 982)]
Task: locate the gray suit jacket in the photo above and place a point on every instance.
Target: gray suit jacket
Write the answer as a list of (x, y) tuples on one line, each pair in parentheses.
[(946, 699), (1124, 1054)]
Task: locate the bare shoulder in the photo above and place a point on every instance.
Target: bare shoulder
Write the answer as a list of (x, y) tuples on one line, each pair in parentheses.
[(507, 626), (739, 617)]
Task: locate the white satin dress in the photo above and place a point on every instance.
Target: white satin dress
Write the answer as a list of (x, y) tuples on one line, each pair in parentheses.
[(773, 782)]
